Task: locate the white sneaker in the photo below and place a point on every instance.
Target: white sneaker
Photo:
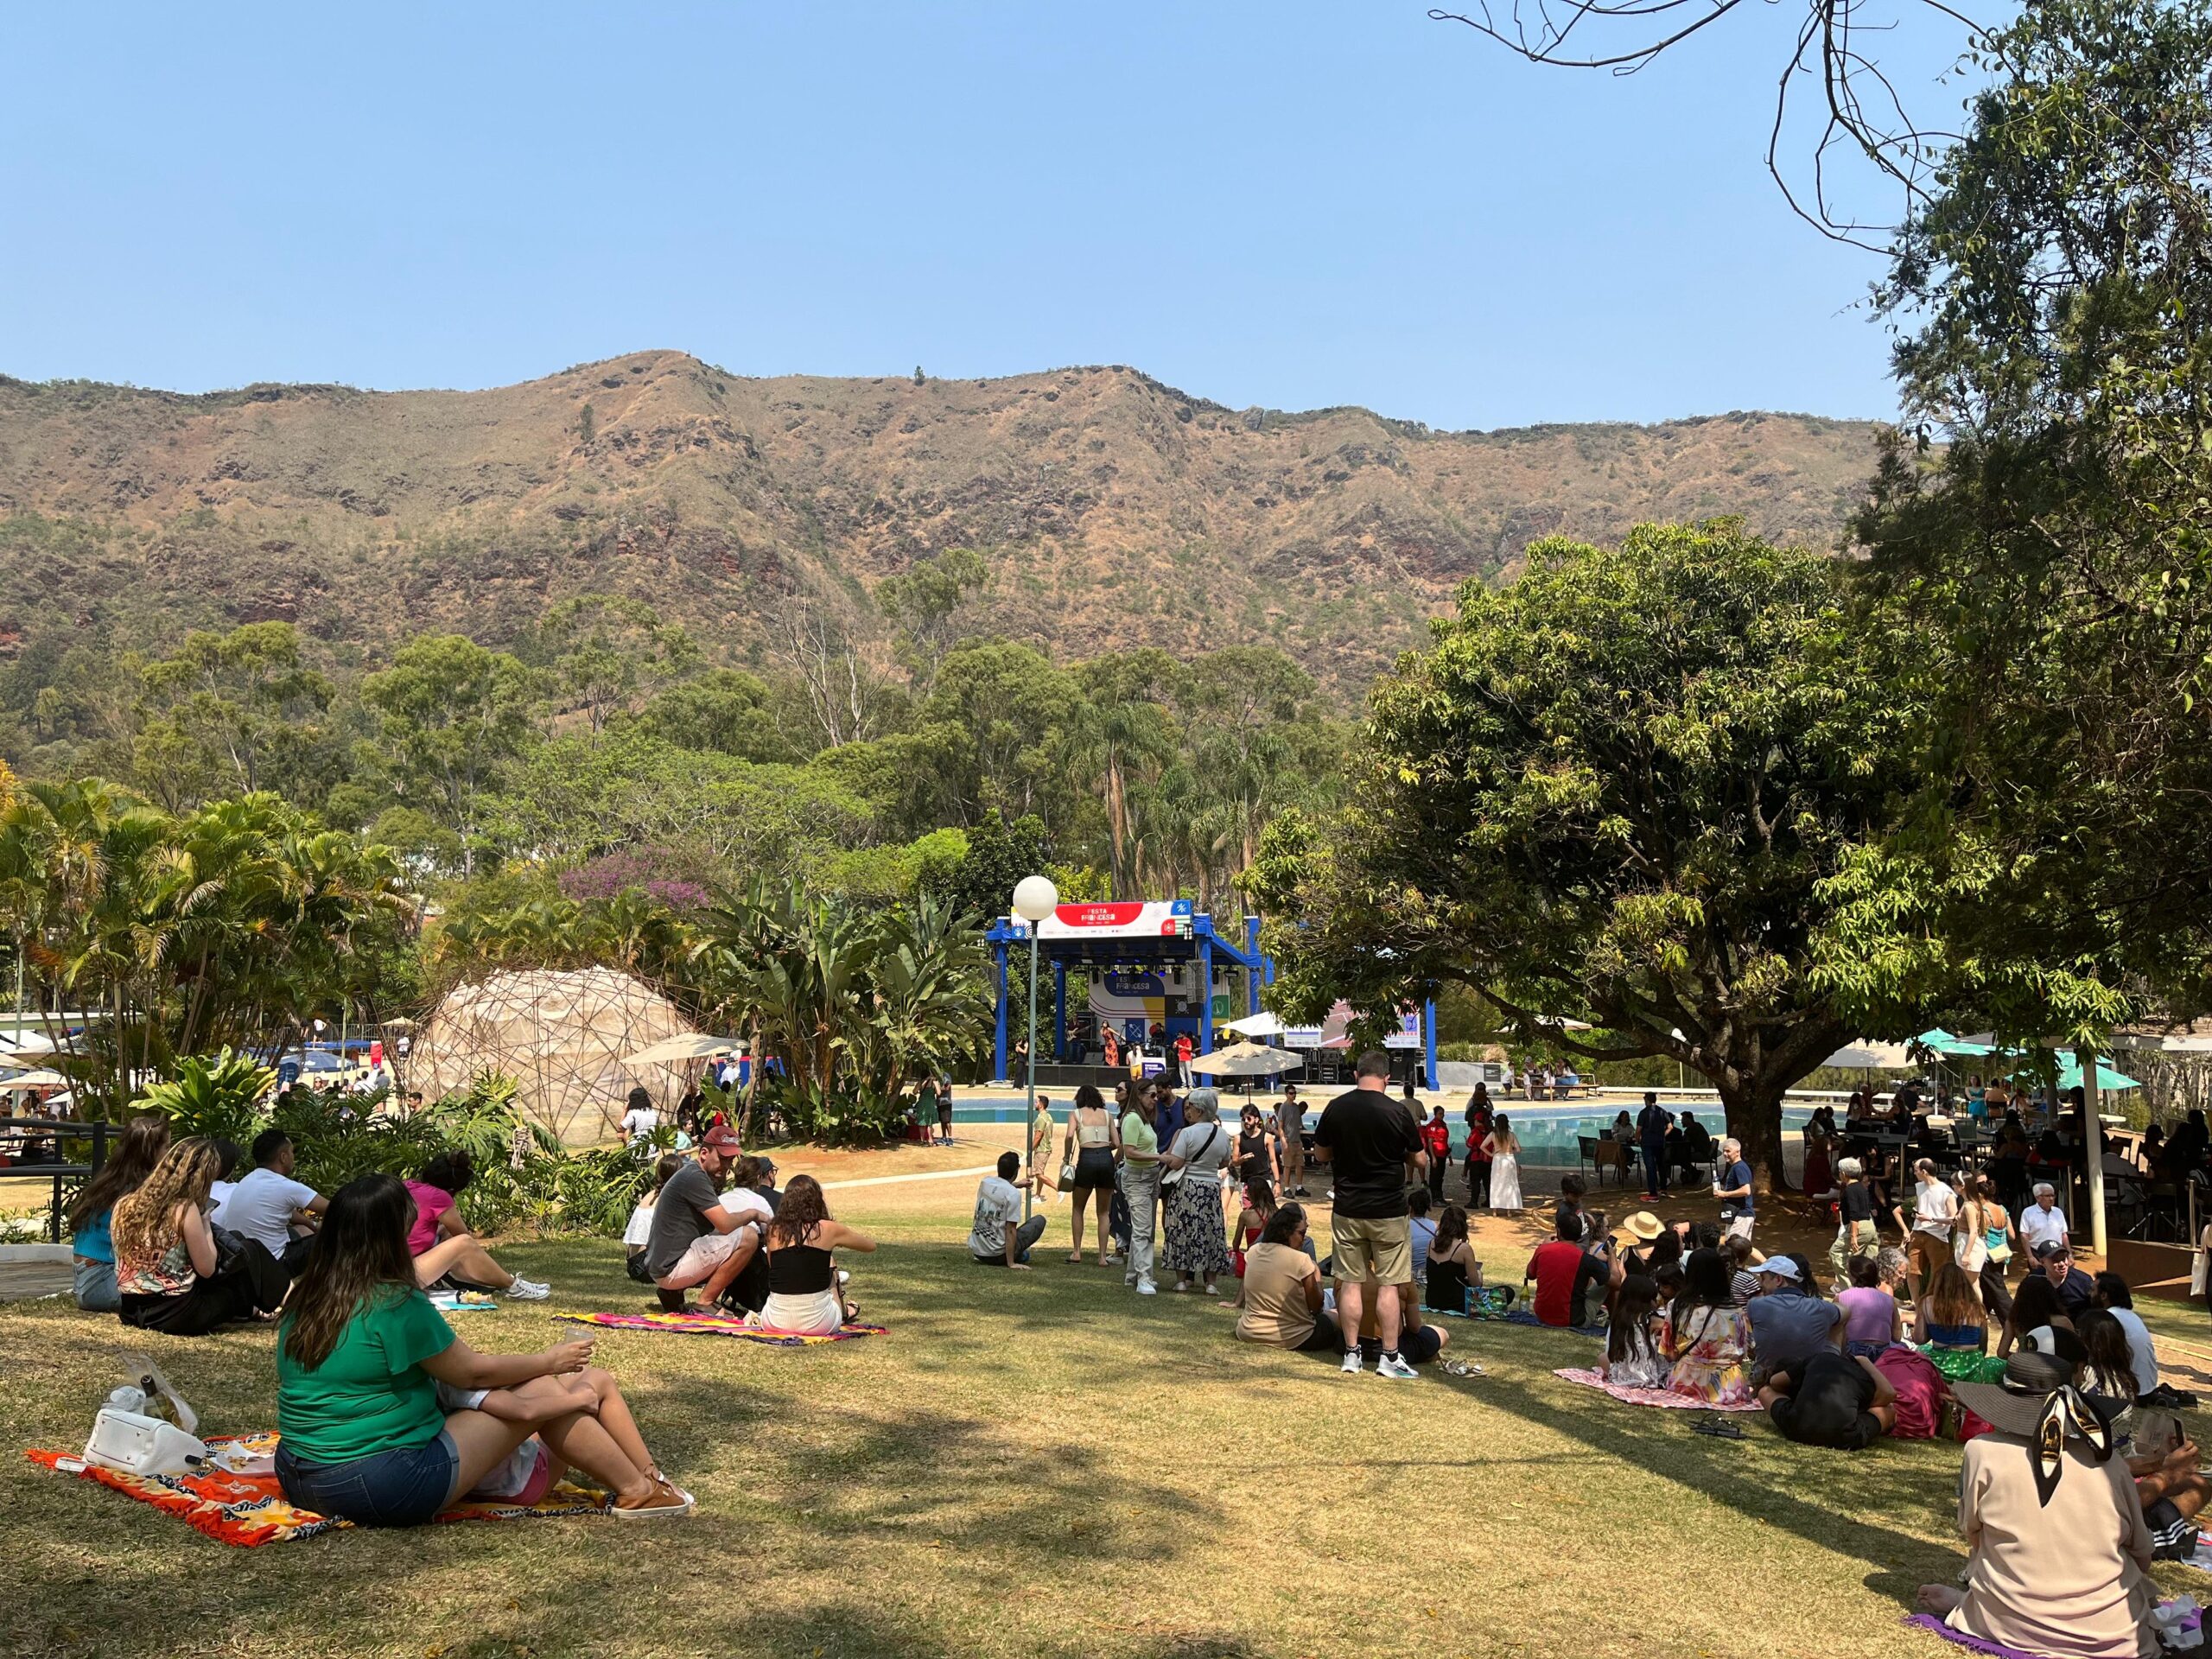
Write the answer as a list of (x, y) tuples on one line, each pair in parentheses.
[(528, 1290), (1351, 1362), (1396, 1369), (1146, 1287)]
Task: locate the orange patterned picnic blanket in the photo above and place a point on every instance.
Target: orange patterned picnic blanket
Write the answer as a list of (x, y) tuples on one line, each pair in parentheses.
[(719, 1324), (252, 1510)]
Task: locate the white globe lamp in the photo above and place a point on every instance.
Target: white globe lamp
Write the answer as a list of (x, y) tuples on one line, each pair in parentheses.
[(1034, 898)]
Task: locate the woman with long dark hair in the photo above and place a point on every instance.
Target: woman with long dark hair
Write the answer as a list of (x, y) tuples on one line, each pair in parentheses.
[(443, 1247), (1706, 1335), (803, 1292), (92, 1247), (358, 1358), (1091, 1148), (2035, 1306), (169, 1274)]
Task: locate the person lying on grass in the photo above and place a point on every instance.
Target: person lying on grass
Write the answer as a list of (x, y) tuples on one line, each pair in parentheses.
[(1834, 1399), (359, 1354)]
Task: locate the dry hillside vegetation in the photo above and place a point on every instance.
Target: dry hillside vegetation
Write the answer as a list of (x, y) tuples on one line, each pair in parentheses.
[(1112, 510)]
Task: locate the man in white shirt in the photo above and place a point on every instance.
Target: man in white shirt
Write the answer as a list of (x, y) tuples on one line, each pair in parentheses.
[(1000, 1238), (1934, 1211), (2043, 1220), (264, 1204)]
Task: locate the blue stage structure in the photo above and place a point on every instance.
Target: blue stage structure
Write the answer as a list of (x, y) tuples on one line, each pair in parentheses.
[(1137, 947)]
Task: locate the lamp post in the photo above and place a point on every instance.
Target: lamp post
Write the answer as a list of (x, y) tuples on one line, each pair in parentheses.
[(1034, 898)]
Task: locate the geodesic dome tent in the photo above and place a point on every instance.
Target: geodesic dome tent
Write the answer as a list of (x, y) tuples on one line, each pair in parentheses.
[(563, 1035)]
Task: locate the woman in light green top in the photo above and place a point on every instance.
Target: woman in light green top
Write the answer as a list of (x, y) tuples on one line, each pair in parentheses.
[(1140, 1181)]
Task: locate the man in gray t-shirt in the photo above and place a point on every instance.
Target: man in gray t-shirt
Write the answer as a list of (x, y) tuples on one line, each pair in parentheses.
[(1788, 1325), (695, 1241)]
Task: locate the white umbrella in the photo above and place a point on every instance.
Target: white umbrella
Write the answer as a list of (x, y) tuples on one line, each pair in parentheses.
[(33, 1080), (1245, 1060), (693, 1046), (1258, 1024), (25, 1043)]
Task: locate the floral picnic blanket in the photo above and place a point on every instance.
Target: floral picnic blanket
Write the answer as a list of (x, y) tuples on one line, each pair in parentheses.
[(720, 1325), (249, 1511), (1666, 1399)]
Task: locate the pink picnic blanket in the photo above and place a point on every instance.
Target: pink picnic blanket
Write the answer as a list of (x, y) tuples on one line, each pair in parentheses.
[(1666, 1399)]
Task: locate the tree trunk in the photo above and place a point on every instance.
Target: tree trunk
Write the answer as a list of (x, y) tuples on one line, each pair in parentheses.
[(1754, 1118)]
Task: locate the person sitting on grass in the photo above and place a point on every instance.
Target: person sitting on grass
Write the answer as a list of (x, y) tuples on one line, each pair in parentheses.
[(2057, 1546), (639, 1231), (1872, 1317), (1953, 1328), (1000, 1238), (360, 1355), (2114, 1296), (1281, 1301), (267, 1203), (443, 1247), (1632, 1356), (533, 1468), (804, 1295), (1836, 1400), (696, 1243), (91, 1246), (1788, 1325), (1707, 1336), (1743, 1270), (1563, 1272), (2037, 1313), (1452, 1270), (1421, 1230), (2169, 1483), (168, 1274)]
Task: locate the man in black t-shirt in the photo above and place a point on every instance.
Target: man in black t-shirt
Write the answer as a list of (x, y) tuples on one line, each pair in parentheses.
[(695, 1239), (1370, 1142), (1841, 1402), (1855, 1234)]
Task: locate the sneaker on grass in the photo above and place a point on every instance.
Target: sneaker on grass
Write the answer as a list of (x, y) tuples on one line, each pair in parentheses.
[(1395, 1366), (1351, 1367), (529, 1290)]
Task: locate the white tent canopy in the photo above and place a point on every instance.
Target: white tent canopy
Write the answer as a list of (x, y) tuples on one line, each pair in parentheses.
[(689, 1045), (1263, 1024), (1245, 1060)]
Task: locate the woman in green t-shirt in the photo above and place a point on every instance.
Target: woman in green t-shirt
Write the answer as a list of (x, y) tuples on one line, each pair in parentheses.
[(359, 1358)]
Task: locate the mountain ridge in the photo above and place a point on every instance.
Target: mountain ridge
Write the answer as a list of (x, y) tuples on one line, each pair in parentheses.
[(1112, 508)]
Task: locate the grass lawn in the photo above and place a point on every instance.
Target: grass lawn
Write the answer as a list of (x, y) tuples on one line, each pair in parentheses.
[(1030, 1464)]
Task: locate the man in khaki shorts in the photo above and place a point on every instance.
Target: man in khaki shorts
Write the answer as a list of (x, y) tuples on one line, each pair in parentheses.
[(1369, 1140)]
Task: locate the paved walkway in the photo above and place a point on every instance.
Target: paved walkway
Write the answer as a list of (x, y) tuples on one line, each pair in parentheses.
[(925, 1175)]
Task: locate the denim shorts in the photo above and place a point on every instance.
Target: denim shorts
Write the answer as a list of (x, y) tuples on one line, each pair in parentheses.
[(400, 1488)]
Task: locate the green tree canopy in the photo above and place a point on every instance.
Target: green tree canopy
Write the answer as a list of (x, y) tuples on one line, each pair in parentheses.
[(1612, 792)]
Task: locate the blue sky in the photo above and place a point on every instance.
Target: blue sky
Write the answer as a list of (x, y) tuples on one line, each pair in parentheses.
[(1280, 204)]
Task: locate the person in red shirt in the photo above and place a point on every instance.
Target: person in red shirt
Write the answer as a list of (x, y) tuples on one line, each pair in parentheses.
[(1436, 1140), (1183, 1052), (1563, 1272)]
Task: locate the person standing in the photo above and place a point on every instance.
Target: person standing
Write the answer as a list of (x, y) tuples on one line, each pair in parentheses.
[(640, 1118), (1091, 1144), (944, 1106), (1436, 1141), (1198, 1240), (2042, 1221), (1994, 1223), (1935, 1216), (1479, 1116), (1652, 1125), (1044, 1179), (1503, 1148), (1256, 1150), (1290, 1133), (1183, 1052), (1856, 1235), (1367, 1139), (1139, 1179), (1732, 1186)]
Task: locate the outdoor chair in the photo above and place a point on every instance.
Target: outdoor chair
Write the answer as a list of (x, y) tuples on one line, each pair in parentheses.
[(1585, 1151)]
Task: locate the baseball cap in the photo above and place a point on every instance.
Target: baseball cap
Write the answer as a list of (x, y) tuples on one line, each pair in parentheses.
[(2049, 1249), (722, 1138), (1780, 1266)]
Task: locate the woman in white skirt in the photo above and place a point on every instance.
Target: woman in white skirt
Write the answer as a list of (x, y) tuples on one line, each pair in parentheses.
[(1504, 1148), (803, 1297)]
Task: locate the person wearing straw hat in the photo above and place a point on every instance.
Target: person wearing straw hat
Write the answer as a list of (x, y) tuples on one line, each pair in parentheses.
[(2057, 1543), (1635, 1236)]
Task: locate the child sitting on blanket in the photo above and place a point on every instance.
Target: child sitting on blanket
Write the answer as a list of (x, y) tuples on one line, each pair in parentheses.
[(1632, 1358)]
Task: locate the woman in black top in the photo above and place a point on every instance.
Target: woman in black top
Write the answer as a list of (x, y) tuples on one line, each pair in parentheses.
[(803, 1293), (1256, 1150)]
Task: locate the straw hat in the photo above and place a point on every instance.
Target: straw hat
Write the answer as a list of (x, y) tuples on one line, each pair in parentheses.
[(1643, 1225)]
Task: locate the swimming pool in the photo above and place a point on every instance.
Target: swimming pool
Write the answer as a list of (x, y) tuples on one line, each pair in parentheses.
[(1549, 1135)]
